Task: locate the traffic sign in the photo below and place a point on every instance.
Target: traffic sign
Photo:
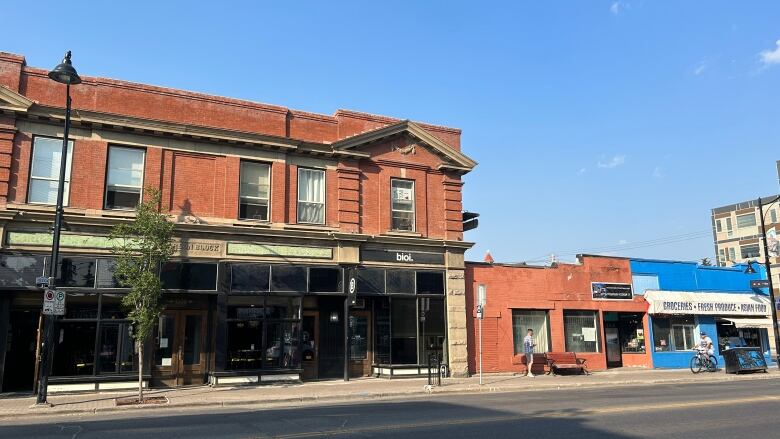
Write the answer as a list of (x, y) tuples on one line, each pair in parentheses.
[(54, 302), (759, 284)]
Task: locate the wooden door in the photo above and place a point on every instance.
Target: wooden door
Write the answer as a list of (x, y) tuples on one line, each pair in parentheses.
[(360, 345), (310, 345), (179, 354)]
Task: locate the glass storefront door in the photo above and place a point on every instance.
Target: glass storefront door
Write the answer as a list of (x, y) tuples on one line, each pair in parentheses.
[(360, 355), (179, 357)]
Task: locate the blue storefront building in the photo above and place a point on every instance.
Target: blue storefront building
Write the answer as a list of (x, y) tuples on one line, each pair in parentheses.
[(685, 298)]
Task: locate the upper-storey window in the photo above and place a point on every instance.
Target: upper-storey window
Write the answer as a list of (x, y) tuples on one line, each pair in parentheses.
[(747, 220), (402, 204), (311, 196), (125, 177), (45, 171), (254, 191)]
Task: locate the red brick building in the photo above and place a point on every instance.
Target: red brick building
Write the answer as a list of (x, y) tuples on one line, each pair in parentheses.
[(587, 308), (271, 205)]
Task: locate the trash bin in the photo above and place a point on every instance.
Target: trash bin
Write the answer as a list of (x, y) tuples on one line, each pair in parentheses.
[(744, 360)]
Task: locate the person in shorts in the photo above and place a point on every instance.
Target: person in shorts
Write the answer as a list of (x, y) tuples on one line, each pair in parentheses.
[(528, 348), (705, 345)]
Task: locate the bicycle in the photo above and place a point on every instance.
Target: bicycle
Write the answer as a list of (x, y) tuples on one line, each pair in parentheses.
[(702, 361)]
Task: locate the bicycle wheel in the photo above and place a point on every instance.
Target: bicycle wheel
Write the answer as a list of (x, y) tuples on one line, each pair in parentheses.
[(713, 364), (696, 364)]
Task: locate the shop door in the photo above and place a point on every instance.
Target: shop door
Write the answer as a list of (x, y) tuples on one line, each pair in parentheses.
[(614, 357), (310, 345), (19, 368), (360, 350), (179, 355)]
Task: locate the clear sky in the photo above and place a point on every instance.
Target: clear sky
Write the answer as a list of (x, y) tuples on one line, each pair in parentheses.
[(598, 125)]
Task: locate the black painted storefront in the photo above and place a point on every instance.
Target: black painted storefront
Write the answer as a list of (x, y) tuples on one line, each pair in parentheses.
[(222, 319)]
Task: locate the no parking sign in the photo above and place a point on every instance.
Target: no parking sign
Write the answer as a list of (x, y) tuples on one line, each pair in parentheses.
[(54, 302)]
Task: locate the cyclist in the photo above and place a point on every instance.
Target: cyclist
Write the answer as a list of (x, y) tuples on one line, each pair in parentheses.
[(705, 345)]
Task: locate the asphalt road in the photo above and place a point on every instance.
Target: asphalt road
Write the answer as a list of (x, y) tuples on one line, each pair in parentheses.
[(720, 410)]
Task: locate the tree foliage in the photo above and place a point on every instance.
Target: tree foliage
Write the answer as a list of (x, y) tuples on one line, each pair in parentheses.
[(706, 262), (140, 246)]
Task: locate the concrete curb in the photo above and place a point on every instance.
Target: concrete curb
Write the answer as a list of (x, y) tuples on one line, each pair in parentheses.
[(365, 396)]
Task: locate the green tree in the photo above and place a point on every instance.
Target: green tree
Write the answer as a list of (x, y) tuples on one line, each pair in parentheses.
[(706, 262), (140, 246)]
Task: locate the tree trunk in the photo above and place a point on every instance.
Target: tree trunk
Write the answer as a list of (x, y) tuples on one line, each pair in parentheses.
[(140, 345)]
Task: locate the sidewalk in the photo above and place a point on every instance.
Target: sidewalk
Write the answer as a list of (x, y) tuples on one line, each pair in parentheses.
[(15, 406)]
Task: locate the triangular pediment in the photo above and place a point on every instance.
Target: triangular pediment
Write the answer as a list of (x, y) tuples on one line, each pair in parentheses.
[(11, 100), (453, 159)]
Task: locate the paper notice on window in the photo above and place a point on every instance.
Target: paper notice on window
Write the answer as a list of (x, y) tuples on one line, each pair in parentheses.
[(589, 334), (163, 343), (403, 194), (166, 362)]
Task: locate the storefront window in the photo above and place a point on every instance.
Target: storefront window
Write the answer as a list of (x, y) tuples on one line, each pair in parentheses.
[(250, 318), (74, 349), (77, 272), (371, 281), (20, 270), (288, 278), (432, 329), (581, 329), (522, 321), (382, 334), (282, 348), (198, 276), (400, 282), (115, 349), (632, 333), (404, 330), (325, 280), (673, 334), (249, 278), (730, 336), (430, 282)]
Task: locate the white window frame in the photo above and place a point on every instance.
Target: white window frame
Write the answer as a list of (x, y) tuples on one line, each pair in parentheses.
[(108, 171), (732, 254), (773, 216), (729, 227), (414, 205), (68, 168), (718, 226), (687, 329), (251, 198), (324, 196)]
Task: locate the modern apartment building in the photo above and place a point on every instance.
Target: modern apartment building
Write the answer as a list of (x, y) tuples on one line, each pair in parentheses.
[(274, 210)]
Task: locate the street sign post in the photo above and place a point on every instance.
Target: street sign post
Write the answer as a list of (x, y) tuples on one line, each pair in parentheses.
[(54, 303), (759, 284)]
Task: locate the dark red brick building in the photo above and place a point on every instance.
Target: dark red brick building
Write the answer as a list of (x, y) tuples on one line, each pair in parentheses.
[(588, 308), (272, 207)]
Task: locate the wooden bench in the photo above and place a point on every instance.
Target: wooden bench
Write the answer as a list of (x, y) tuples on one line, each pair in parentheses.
[(568, 361), (540, 362)]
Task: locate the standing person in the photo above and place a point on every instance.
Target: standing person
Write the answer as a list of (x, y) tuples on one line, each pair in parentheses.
[(528, 347)]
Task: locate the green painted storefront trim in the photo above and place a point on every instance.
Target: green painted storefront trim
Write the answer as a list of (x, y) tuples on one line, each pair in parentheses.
[(45, 240), (290, 251)]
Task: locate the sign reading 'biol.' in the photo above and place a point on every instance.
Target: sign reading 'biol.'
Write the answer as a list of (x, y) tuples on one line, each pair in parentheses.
[(402, 256)]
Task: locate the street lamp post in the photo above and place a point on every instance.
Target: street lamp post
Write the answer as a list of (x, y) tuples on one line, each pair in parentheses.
[(768, 267), (64, 73)]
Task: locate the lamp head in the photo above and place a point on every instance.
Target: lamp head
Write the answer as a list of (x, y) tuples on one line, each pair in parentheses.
[(64, 73)]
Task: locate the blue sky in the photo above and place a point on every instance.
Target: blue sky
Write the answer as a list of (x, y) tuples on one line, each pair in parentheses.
[(599, 126)]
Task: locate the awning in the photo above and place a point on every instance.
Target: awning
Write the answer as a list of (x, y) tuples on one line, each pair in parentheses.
[(751, 323), (704, 303)]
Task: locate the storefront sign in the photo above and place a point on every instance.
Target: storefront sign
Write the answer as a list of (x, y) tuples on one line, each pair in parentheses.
[(607, 291), (683, 302), (288, 251), (401, 256), (66, 240), (190, 247)]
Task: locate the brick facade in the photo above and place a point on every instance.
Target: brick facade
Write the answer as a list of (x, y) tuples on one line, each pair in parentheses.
[(551, 289)]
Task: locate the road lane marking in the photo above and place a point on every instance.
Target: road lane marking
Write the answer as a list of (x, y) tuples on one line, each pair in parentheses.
[(550, 414)]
